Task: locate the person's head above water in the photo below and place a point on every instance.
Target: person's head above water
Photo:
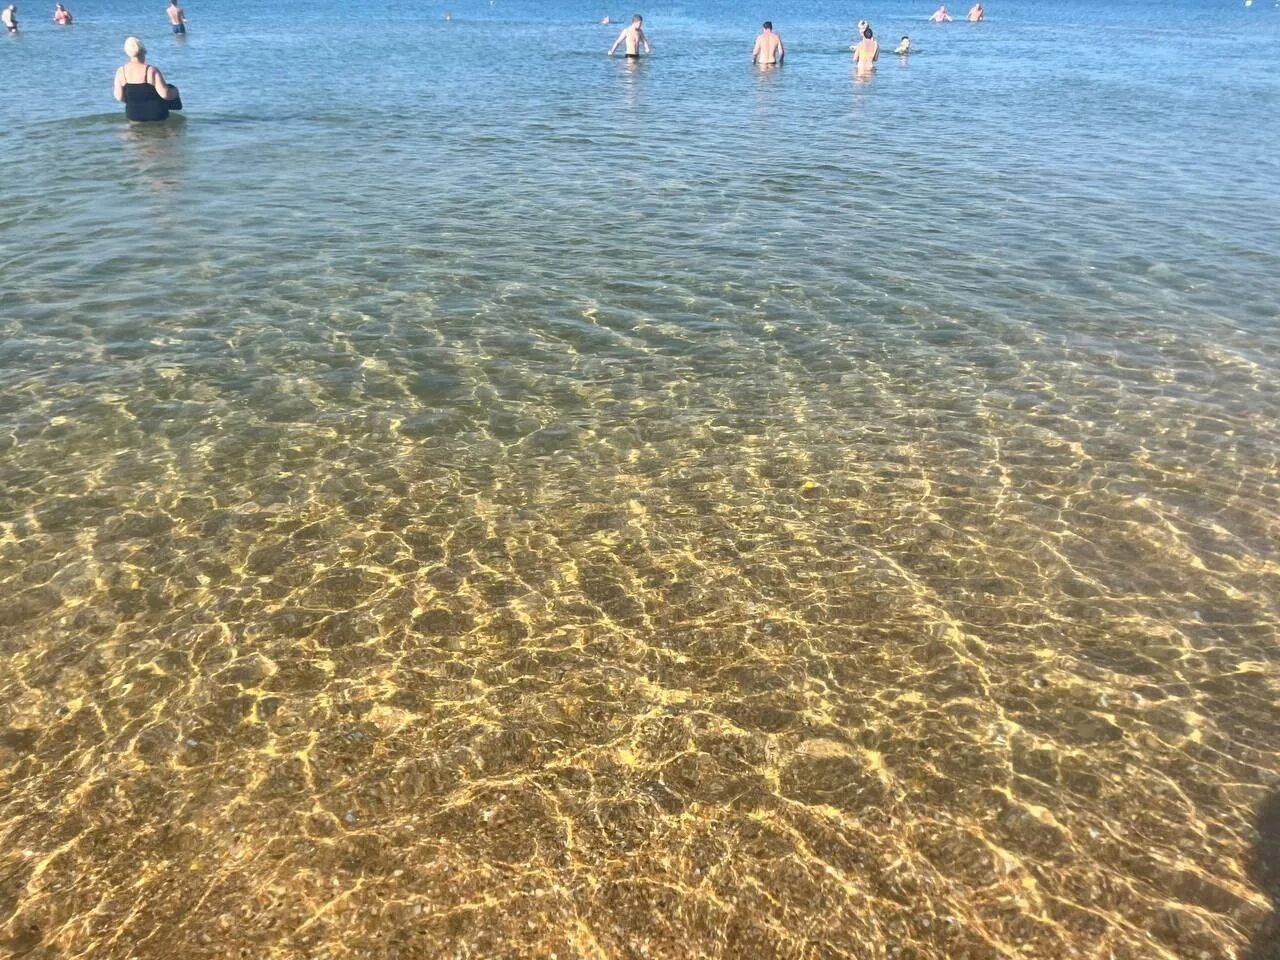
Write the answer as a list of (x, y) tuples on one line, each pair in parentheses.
[(636, 19), (134, 49), (867, 33), (768, 24)]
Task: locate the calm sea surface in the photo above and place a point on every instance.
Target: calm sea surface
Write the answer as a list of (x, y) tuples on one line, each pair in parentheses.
[(463, 496)]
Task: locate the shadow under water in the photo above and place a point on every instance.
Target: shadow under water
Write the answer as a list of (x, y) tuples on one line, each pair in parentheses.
[(1266, 874)]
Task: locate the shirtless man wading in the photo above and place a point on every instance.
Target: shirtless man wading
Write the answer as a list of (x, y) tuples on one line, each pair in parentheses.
[(634, 37), (177, 17), (768, 49)]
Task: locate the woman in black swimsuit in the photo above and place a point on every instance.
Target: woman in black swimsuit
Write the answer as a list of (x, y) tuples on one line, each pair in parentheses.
[(142, 88)]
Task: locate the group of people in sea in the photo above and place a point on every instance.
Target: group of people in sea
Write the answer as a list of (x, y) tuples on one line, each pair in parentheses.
[(769, 49), (138, 85), (146, 96), (63, 18), (866, 50), (976, 13), (9, 17)]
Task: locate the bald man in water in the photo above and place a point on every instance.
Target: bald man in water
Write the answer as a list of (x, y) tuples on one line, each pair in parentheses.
[(768, 50)]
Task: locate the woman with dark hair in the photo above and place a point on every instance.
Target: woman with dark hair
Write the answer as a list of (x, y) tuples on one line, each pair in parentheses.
[(867, 52)]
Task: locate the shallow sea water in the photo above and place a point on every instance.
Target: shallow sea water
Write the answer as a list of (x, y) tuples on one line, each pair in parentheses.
[(461, 496)]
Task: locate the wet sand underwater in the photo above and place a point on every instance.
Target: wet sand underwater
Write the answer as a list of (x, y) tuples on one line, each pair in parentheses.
[(714, 515)]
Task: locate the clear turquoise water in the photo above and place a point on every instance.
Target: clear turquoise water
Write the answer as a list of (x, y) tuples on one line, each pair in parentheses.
[(461, 495)]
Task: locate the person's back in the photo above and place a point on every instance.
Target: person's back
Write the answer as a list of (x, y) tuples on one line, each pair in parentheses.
[(61, 15), (768, 49), (142, 87), (634, 38), (867, 52), (8, 16), (177, 17)]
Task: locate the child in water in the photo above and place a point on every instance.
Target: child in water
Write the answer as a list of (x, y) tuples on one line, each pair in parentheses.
[(904, 47)]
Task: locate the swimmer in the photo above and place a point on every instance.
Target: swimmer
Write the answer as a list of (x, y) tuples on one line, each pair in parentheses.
[(904, 47), (9, 17), (975, 13), (448, 15), (177, 17), (866, 53), (606, 20), (864, 33), (768, 50), (940, 15), (141, 87), (634, 38), (61, 15)]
